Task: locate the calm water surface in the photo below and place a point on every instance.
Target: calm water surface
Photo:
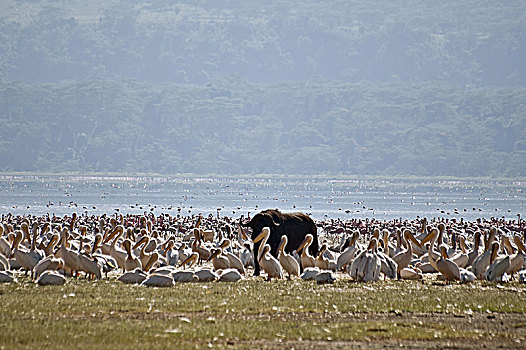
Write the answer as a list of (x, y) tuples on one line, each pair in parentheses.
[(352, 198)]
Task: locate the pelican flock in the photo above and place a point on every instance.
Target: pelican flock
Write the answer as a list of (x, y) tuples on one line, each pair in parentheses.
[(162, 251)]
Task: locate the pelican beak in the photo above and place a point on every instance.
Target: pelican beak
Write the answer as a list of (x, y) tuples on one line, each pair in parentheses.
[(265, 249), (260, 237), (413, 239), (214, 254), (443, 252), (281, 245), (429, 237), (139, 242), (494, 253), (303, 244), (127, 246), (243, 235), (111, 235), (519, 243), (191, 259), (354, 238), (153, 258)]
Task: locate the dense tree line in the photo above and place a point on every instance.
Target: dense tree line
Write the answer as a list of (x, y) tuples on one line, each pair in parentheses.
[(336, 87), (235, 127), (464, 42)]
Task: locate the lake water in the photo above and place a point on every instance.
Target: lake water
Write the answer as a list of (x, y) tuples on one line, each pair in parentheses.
[(320, 197)]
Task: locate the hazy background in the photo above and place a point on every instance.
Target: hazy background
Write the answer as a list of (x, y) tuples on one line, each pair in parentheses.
[(276, 87)]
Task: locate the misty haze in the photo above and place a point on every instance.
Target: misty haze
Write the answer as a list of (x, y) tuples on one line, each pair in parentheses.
[(279, 87)]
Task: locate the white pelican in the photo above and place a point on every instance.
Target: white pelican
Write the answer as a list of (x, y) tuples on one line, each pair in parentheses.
[(206, 275), (183, 276), (517, 261), (409, 273), (366, 267), (6, 277), (27, 259), (466, 275), (50, 247), (388, 247), (425, 266), (48, 263), (306, 259), (474, 253), (461, 258), (70, 257), (171, 254), (388, 266), (5, 247), (184, 252), (310, 273), (233, 260), (133, 277), (490, 237), (446, 266), (287, 261), (116, 253), (204, 252), (322, 262), (131, 262), (143, 256), (4, 263), (187, 275), (263, 236), (219, 261), (154, 257), (230, 275), (403, 258), (106, 262), (246, 256), (191, 260), (483, 261), (348, 254), (158, 280), (88, 263), (37, 253), (497, 267), (423, 230), (51, 278), (325, 277), (207, 235), (269, 264), (399, 246)]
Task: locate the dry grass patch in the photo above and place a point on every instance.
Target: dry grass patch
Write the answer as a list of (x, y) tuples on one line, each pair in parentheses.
[(109, 314)]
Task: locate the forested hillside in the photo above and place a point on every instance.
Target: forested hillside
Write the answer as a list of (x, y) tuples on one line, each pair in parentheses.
[(333, 87)]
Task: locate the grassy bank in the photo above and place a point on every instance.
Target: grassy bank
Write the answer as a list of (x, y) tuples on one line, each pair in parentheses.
[(108, 314)]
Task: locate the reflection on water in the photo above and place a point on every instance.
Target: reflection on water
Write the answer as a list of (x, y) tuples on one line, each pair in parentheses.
[(320, 197)]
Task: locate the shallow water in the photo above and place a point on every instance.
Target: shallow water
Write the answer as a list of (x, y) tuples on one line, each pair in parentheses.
[(320, 197)]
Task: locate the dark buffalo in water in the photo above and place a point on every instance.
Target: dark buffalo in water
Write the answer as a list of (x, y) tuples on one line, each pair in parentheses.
[(293, 225)]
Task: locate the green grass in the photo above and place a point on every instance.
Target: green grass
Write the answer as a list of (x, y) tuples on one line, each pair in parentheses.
[(109, 314)]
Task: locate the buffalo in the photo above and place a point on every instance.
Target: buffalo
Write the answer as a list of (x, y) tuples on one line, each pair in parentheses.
[(293, 225)]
